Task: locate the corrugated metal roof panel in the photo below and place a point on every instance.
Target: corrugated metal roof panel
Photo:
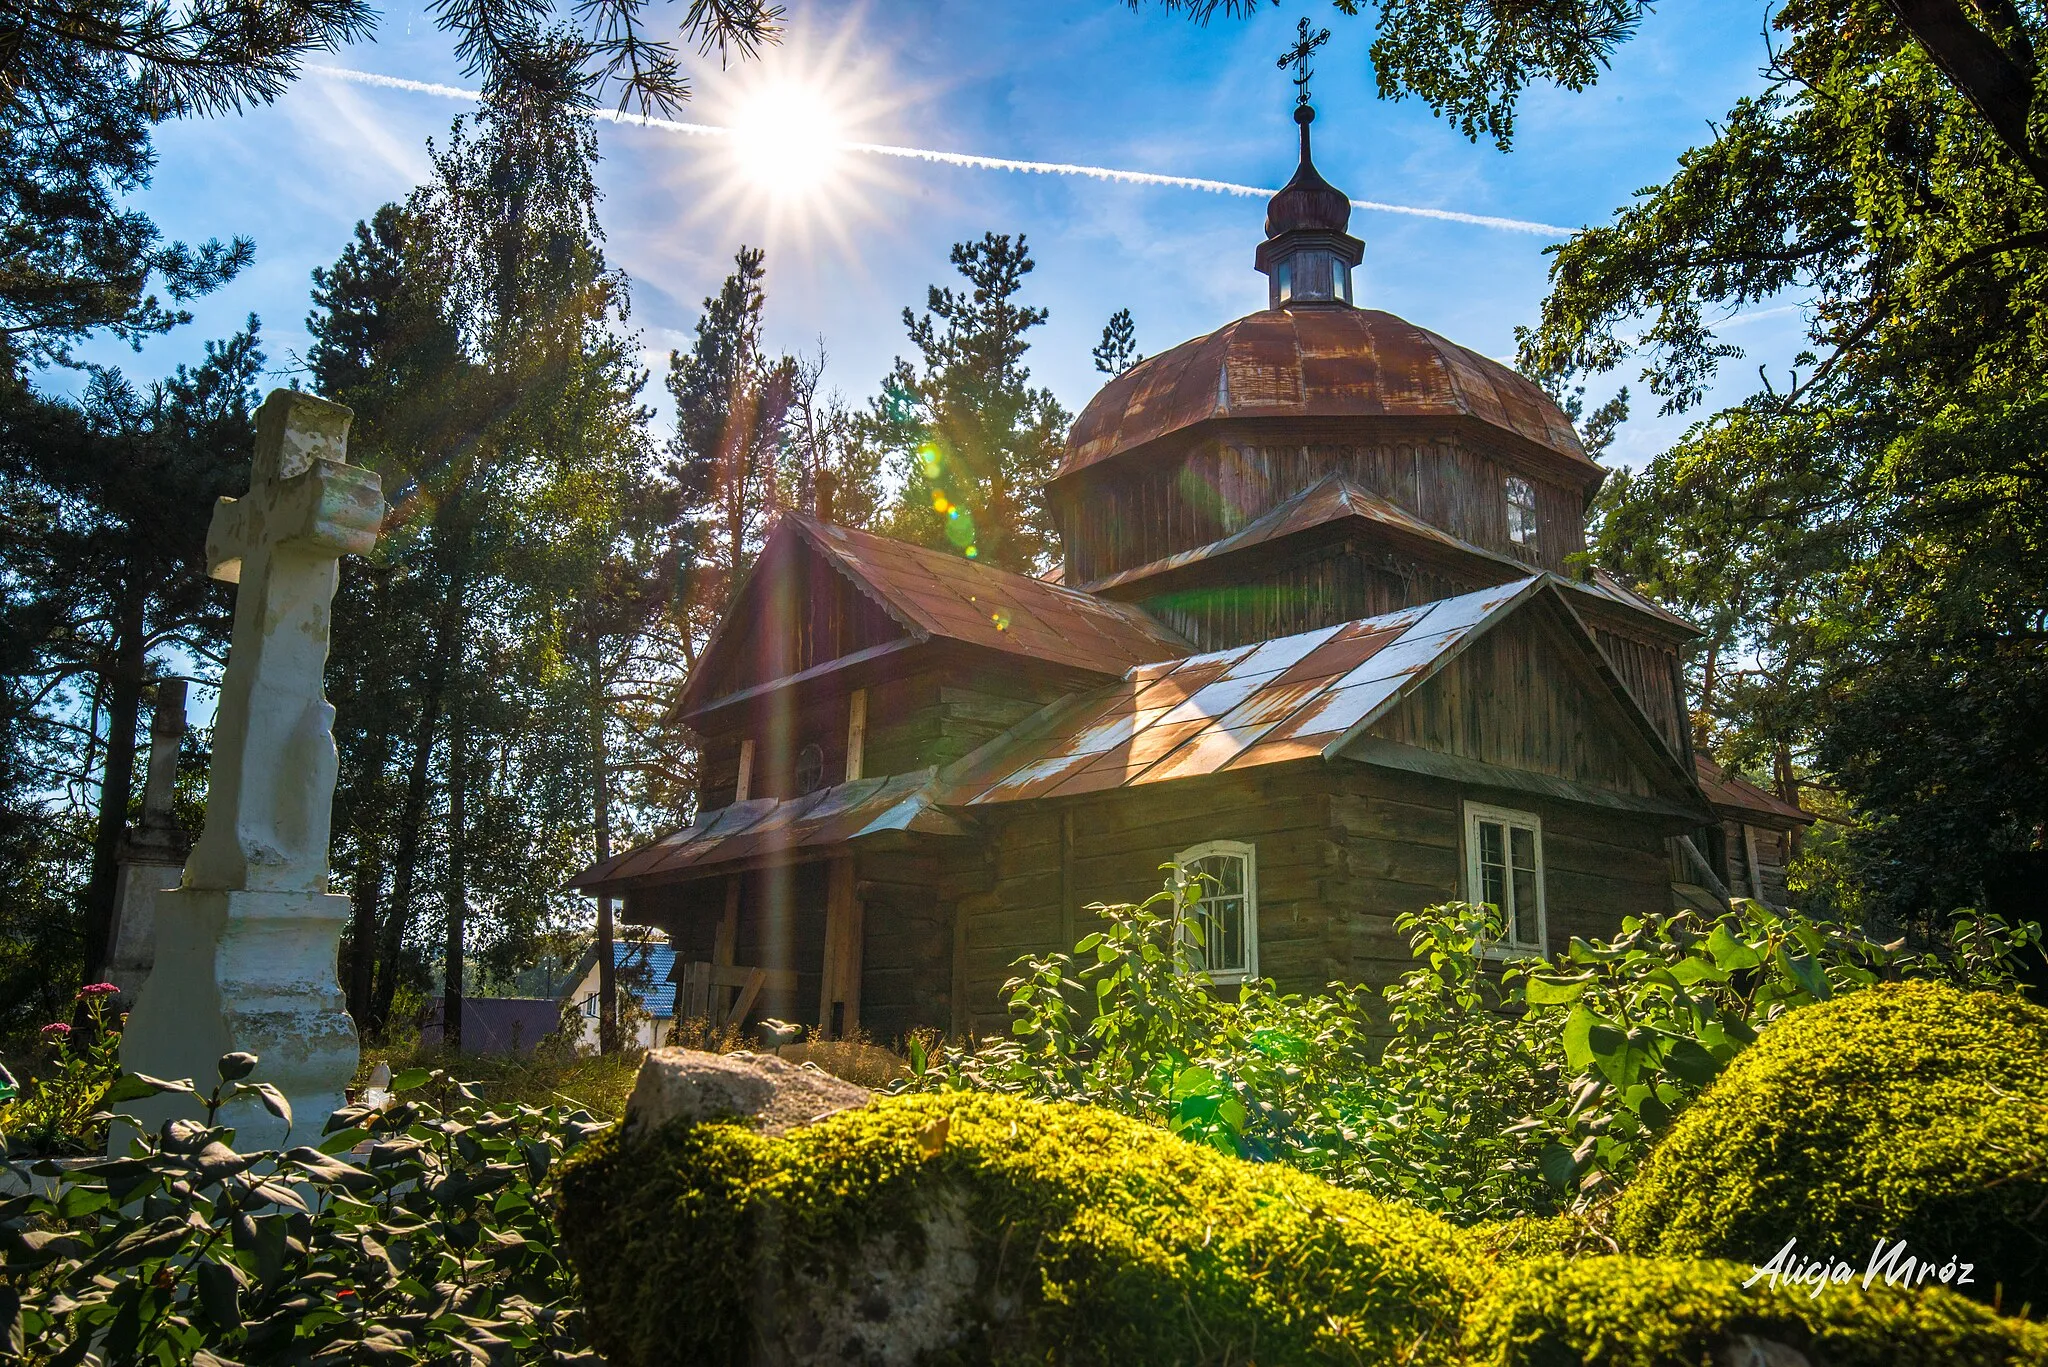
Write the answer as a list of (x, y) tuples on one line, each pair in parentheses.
[(1283, 699)]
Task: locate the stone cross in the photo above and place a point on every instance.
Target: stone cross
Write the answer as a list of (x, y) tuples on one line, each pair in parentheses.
[(246, 944)]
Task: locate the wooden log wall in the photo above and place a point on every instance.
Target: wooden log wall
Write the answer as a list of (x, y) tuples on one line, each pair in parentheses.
[(1513, 698), (1126, 517), (1342, 851), (1339, 582)]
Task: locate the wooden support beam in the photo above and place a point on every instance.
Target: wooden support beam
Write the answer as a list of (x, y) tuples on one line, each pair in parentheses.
[(746, 783), (1070, 911), (756, 979), (856, 733), (725, 941), (839, 988)]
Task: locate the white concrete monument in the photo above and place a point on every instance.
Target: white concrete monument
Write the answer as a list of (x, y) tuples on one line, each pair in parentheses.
[(245, 945)]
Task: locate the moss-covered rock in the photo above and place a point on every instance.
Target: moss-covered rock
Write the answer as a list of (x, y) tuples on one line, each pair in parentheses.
[(1909, 1112), (983, 1229), (1661, 1312)]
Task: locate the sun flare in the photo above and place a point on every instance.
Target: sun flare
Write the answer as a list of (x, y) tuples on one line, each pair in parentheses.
[(787, 137)]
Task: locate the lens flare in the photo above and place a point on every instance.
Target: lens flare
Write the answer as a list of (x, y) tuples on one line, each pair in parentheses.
[(787, 138)]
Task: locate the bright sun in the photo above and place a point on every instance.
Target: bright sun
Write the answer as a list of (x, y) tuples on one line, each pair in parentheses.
[(786, 136)]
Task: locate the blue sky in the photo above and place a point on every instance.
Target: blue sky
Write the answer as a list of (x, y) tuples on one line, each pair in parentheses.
[(1072, 81)]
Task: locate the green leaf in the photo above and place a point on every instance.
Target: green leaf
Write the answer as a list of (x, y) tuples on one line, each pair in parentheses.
[(410, 1079), (220, 1292), (135, 1086), (1690, 1063), (1578, 1049), (236, 1066), (1730, 954), (1554, 991), (1192, 1082), (1559, 1167), (1806, 971), (1696, 970), (273, 1101)]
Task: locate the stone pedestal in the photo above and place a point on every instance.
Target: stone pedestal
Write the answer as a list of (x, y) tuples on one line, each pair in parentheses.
[(252, 971), (133, 953)]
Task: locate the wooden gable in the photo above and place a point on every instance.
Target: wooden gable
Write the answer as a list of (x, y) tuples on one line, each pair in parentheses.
[(797, 611), (1533, 704)]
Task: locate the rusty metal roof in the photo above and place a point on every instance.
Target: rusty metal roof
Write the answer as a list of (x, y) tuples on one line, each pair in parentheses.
[(938, 593), (1317, 363), (764, 828), (1293, 698), (1606, 585), (1736, 796)]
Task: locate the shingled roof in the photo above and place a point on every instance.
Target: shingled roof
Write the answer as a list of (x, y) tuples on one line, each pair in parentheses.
[(935, 594)]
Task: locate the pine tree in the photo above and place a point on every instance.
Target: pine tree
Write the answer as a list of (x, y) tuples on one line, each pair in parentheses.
[(975, 443), (1118, 350)]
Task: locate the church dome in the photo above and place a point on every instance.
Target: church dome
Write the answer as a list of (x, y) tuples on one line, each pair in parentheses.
[(1307, 203), (1319, 362)]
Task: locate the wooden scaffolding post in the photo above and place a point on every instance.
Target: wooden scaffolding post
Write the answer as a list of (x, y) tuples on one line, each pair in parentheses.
[(839, 990), (724, 944)]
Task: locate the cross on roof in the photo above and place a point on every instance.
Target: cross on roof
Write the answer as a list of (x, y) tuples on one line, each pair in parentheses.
[(1297, 57)]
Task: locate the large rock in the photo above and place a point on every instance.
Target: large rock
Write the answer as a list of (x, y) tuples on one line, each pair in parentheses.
[(768, 1093), (1911, 1112), (988, 1229)]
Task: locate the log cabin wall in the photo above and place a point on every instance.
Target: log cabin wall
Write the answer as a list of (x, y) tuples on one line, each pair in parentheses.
[(1342, 850), (1189, 493), (917, 719), (1319, 587), (1514, 699)]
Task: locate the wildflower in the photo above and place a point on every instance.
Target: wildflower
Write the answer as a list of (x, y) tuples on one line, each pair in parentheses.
[(98, 990), (56, 1030)]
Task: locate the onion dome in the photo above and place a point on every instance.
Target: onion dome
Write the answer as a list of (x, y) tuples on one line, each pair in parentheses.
[(1307, 256)]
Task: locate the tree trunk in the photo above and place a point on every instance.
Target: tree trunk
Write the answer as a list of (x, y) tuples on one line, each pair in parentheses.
[(601, 785), (1788, 789), (414, 814), (117, 781), (458, 892), (366, 889)]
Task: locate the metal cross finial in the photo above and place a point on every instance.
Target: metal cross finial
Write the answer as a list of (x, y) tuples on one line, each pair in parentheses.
[(1297, 57)]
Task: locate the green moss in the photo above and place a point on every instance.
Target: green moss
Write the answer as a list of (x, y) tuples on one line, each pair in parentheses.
[(1094, 1239), (1656, 1312), (1910, 1112)]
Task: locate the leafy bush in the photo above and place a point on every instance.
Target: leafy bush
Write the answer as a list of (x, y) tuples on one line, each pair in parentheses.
[(1655, 1312), (1487, 1090), (57, 1110), (418, 1230), (992, 1229), (1911, 1112)]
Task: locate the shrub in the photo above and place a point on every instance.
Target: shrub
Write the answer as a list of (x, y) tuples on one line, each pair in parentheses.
[(1908, 1112), (1656, 1312), (418, 1231), (1045, 1231), (57, 1111)]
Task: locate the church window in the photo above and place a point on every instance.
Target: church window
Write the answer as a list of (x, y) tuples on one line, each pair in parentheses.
[(1220, 908), (1521, 511), (1283, 279), (1504, 870)]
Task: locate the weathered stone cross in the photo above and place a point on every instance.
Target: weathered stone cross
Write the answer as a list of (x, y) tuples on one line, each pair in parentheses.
[(246, 944)]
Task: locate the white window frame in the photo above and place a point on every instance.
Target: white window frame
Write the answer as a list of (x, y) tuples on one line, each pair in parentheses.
[(1235, 849), (1475, 884), (1521, 515)]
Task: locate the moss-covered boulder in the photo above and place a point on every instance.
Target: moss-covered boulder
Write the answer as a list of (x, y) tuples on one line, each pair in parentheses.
[(983, 1229), (1911, 1112), (1660, 1312)]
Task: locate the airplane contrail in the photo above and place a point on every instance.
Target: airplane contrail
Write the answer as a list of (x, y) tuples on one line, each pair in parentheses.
[(1050, 168)]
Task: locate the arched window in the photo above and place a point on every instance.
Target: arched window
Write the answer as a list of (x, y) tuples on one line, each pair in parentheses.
[(1224, 877)]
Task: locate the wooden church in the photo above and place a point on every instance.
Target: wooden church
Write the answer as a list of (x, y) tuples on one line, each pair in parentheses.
[(1316, 636)]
